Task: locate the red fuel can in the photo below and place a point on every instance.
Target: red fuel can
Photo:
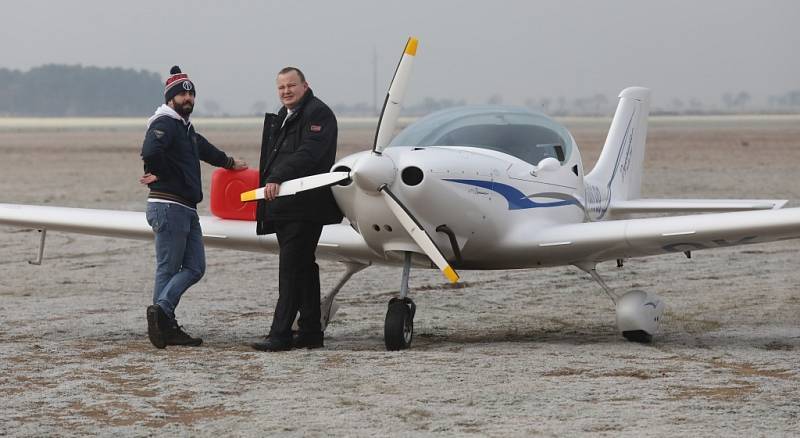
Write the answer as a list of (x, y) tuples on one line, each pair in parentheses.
[(226, 188)]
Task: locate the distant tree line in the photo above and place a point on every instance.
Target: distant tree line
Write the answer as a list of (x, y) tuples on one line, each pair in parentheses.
[(58, 90), (73, 90)]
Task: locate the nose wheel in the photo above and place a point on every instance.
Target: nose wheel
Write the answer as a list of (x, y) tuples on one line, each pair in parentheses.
[(398, 329)]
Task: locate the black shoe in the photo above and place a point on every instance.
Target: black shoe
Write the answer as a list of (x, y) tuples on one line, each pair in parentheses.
[(157, 322), (271, 343), (309, 340), (176, 336)]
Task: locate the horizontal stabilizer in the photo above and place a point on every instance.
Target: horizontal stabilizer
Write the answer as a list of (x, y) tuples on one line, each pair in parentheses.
[(619, 207)]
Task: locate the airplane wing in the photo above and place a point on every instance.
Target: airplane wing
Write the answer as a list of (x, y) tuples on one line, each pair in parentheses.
[(620, 207), (338, 242), (620, 239), (548, 246)]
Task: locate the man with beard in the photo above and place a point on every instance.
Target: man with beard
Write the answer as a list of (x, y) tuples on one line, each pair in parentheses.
[(298, 141), (171, 152)]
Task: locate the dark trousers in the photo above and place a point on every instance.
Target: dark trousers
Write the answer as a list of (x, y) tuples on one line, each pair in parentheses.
[(298, 279)]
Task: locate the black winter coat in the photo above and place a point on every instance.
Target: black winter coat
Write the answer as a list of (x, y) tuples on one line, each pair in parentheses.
[(304, 146)]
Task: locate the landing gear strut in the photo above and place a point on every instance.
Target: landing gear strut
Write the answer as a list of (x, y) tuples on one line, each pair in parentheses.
[(638, 313), (328, 305), (398, 329)]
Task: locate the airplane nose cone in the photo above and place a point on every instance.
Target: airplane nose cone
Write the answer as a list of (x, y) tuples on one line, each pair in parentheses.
[(372, 171)]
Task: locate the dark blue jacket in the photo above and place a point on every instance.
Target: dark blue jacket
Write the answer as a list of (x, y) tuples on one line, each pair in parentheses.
[(172, 151)]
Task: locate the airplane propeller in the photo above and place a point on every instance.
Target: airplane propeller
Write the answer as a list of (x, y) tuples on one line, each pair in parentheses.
[(375, 172), (294, 186), (394, 97), (418, 233)]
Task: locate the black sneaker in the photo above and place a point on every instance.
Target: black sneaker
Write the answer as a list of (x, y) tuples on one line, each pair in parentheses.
[(309, 340), (271, 343), (176, 336), (156, 323)]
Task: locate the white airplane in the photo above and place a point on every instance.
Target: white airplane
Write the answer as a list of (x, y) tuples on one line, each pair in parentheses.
[(483, 187)]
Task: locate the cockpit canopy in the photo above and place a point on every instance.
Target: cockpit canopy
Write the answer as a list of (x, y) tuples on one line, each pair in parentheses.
[(519, 132)]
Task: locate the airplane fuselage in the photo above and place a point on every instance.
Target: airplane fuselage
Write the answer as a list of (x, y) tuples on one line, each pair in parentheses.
[(483, 198)]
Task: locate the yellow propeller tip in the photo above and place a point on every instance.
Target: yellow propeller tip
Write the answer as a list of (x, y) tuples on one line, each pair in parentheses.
[(450, 274), (248, 196), (411, 46)]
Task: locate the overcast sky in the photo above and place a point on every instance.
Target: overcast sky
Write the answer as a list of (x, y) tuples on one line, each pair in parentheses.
[(468, 49)]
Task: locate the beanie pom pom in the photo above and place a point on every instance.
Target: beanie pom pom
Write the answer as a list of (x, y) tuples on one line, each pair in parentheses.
[(174, 70)]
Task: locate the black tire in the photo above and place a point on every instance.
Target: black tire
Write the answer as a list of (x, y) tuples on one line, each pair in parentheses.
[(398, 329), (639, 336)]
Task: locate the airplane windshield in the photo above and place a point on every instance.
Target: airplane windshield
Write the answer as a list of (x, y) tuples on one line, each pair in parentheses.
[(526, 135)]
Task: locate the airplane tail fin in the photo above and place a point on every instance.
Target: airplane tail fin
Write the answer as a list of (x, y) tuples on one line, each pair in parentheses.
[(617, 176)]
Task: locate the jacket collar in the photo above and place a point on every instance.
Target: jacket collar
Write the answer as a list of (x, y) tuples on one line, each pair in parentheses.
[(166, 110)]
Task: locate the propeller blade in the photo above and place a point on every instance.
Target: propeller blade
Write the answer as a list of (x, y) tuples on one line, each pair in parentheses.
[(420, 236), (394, 97), (299, 184)]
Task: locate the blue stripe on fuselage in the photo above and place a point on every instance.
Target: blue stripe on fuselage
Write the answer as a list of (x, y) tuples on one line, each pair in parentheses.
[(516, 199)]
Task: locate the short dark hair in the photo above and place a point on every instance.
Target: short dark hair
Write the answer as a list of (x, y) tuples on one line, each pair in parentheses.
[(291, 69)]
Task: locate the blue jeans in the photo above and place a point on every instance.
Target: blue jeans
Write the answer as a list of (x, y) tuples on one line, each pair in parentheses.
[(180, 256)]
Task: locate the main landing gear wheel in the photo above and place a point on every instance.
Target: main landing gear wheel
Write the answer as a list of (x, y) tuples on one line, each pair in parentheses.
[(638, 312), (398, 330), (639, 336)]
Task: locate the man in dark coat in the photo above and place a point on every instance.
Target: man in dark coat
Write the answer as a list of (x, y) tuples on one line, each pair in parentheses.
[(298, 141)]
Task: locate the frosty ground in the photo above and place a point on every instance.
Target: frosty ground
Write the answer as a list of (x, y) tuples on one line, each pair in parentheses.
[(526, 352)]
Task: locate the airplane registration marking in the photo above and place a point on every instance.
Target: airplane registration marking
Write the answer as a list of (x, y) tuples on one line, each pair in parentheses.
[(594, 197)]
